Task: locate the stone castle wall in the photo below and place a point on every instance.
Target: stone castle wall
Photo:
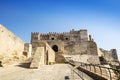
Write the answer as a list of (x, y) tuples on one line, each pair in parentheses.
[(65, 42), (68, 43), (110, 56), (90, 59), (11, 46), (73, 42), (80, 35)]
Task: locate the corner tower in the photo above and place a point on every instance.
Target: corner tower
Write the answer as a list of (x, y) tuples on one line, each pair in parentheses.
[(35, 36), (83, 35)]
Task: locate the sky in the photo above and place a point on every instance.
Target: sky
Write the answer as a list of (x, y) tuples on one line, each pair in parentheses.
[(100, 17)]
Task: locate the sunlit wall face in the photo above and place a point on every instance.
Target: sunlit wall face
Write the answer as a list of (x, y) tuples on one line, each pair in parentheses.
[(100, 17)]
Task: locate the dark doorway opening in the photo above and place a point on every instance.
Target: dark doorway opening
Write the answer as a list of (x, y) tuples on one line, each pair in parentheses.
[(47, 58), (55, 48), (52, 38), (66, 38), (1, 64)]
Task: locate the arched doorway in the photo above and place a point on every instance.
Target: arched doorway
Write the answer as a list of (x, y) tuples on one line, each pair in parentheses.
[(55, 48)]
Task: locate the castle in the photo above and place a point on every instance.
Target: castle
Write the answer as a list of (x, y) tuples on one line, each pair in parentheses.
[(73, 42), (53, 47)]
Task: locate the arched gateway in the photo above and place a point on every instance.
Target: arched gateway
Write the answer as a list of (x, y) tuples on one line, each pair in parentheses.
[(55, 48)]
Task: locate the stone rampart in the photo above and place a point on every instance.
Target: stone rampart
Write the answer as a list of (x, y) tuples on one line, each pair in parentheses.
[(11, 46)]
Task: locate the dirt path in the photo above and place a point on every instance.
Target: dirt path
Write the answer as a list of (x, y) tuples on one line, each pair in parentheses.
[(47, 72)]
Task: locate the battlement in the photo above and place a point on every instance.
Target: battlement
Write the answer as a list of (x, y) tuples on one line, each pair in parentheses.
[(35, 33), (73, 35), (56, 33), (60, 33)]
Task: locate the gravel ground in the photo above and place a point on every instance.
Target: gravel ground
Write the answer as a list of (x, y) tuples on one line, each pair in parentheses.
[(46, 72)]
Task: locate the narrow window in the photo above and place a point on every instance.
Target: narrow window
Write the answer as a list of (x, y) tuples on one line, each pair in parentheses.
[(66, 38)]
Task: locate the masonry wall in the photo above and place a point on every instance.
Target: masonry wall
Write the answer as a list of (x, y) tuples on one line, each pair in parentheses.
[(110, 55), (11, 46), (49, 54), (69, 43), (90, 59), (92, 48), (73, 42), (27, 50)]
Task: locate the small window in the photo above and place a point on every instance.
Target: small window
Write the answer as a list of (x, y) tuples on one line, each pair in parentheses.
[(66, 38), (52, 38)]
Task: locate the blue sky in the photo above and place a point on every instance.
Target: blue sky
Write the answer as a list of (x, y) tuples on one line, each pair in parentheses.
[(100, 17)]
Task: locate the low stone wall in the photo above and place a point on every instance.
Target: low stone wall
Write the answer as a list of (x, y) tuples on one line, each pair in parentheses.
[(85, 58)]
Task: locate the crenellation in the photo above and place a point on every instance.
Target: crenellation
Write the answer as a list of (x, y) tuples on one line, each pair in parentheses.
[(72, 35), (35, 33), (90, 38)]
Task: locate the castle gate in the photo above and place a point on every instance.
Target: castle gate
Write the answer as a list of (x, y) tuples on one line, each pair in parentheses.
[(55, 48)]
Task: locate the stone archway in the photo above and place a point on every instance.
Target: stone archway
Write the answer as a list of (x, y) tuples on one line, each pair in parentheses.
[(55, 48)]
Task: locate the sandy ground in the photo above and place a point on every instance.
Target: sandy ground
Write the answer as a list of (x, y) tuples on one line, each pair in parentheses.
[(46, 72)]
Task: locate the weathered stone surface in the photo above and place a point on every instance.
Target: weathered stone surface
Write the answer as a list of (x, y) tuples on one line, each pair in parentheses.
[(42, 55), (59, 58), (90, 59), (92, 47), (109, 56), (38, 58), (27, 50), (11, 46), (50, 54)]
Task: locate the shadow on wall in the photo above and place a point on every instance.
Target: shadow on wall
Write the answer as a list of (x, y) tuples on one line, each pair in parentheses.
[(1, 64)]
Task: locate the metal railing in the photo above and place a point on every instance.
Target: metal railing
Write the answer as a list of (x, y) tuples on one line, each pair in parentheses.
[(105, 72)]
